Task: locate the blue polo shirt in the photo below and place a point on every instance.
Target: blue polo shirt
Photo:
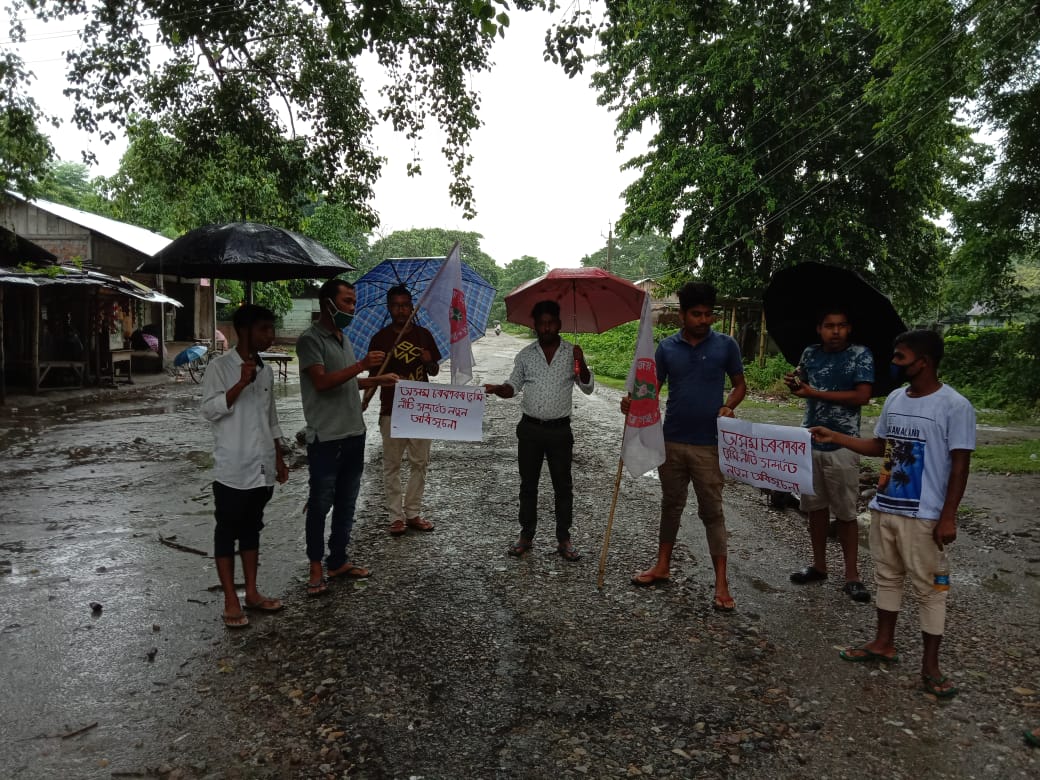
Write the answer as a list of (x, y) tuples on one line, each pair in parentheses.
[(696, 377)]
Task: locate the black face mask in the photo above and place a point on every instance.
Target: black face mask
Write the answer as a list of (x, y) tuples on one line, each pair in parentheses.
[(899, 373)]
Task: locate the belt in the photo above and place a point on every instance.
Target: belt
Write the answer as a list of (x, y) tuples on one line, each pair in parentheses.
[(559, 422)]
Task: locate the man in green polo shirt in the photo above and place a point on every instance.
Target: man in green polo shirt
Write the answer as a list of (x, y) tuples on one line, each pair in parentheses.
[(329, 387)]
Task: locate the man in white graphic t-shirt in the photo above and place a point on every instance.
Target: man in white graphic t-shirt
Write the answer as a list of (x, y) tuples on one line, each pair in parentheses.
[(926, 434)]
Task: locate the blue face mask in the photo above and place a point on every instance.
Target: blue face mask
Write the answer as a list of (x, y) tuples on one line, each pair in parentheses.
[(341, 319)]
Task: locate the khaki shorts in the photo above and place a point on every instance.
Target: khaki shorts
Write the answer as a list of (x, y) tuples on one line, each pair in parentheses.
[(836, 482)]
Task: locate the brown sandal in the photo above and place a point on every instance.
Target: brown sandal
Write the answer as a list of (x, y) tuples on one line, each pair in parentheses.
[(397, 528), (420, 524), (567, 551)]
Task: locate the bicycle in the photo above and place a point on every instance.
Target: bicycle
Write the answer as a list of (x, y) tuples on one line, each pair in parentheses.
[(195, 359)]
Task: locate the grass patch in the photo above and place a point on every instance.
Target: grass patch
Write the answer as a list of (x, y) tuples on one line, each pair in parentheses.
[(1022, 457)]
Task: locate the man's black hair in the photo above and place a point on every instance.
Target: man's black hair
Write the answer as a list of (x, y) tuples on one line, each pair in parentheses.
[(923, 343), (330, 290), (824, 312), (545, 307), (697, 294), (247, 315), (398, 289)]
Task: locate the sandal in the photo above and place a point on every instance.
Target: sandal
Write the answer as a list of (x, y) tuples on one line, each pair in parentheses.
[(319, 588), (397, 528), (567, 551), (519, 547), (1031, 738), (808, 574), (646, 579), (940, 687), (236, 620), (857, 591), (720, 604), (859, 655), (266, 605), (349, 570), (419, 524)]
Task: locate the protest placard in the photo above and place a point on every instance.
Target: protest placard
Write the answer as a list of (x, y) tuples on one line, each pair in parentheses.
[(427, 411), (774, 457)]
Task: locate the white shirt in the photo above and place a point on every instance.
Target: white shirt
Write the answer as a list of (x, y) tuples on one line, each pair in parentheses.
[(244, 435), (547, 387)]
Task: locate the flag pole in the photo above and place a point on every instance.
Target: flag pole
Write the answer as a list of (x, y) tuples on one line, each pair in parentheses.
[(610, 517), (367, 398)]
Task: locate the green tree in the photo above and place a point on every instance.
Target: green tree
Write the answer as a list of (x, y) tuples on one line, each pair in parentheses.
[(772, 143), (633, 257), (25, 151), (273, 73), (519, 270), (69, 183)]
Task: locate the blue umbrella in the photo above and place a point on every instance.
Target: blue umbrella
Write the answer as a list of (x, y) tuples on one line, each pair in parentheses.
[(188, 355), (372, 315)]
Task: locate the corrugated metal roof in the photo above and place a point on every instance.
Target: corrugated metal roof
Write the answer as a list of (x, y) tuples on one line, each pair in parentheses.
[(71, 275), (144, 241)]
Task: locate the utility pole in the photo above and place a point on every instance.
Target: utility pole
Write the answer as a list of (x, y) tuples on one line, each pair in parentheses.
[(610, 245)]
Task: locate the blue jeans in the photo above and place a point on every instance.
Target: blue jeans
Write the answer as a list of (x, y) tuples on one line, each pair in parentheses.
[(335, 481)]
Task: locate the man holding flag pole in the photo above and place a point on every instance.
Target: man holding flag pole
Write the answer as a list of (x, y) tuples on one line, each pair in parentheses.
[(695, 362), (412, 353)]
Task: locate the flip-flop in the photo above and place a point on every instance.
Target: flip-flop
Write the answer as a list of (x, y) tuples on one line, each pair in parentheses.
[(349, 570), (319, 588), (1031, 738), (935, 686), (520, 547), (858, 655), (266, 605), (645, 580), (723, 605), (567, 551), (239, 620)]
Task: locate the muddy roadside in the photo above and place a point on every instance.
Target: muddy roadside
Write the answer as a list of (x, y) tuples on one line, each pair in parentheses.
[(454, 660)]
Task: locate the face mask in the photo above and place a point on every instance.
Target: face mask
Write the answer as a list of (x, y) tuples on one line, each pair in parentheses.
[(341, 319), (898, 373)]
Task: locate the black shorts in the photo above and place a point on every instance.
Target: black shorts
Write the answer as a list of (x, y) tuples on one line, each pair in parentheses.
[(240, 516)]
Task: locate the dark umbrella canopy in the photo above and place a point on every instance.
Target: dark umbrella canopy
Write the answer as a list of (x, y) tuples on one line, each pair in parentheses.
[(247, 251), (795, 296)]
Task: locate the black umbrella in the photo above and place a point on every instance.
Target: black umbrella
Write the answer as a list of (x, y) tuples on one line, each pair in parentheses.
[(247, 251), (795, 296)]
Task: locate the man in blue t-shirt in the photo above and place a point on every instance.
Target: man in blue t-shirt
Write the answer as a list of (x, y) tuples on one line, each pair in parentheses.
[(835, 378), (695, 363), (926, 434)]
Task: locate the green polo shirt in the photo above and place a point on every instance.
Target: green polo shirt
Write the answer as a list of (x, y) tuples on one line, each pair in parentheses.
[(335, 413)]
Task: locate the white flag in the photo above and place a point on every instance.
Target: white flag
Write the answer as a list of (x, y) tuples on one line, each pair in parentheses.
[(643, 446), (446, 306)]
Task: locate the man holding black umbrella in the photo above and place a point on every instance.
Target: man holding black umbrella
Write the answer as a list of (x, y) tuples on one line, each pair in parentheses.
[(835, 378), (329, 389)]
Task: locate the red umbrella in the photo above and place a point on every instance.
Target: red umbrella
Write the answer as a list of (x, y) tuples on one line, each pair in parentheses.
[(591, 300)]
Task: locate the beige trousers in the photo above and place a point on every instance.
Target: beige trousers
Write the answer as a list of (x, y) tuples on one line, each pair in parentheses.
[(902, 546), (407, 504), (699, 464)]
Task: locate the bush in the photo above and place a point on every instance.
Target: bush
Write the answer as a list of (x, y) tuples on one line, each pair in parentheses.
[(767, 379), (995, 368)]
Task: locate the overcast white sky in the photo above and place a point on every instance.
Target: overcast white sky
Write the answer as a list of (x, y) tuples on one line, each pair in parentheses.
[(546, 171)]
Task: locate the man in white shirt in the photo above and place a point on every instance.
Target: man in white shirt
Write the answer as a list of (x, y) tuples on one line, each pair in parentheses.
[(546, 372), (238, 399)]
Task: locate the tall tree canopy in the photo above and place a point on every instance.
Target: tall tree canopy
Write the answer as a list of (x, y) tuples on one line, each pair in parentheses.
[(774, 142), (633, 257), (278, 76)]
